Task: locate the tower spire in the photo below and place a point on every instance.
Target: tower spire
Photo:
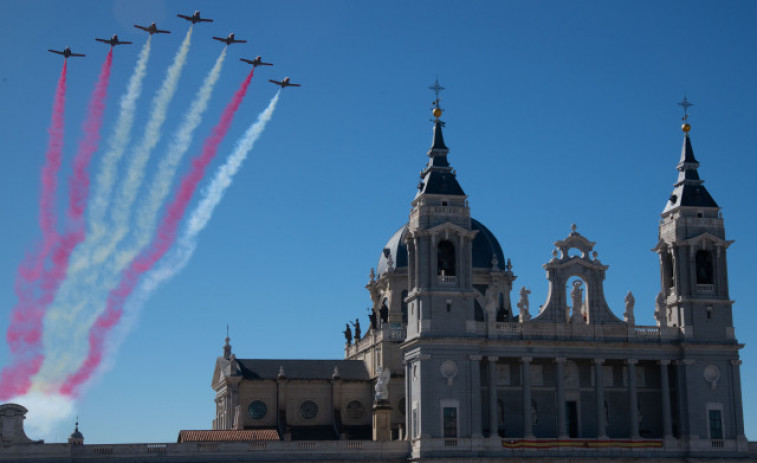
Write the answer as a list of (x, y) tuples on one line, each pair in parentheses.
[(438, 177), (689, 189)]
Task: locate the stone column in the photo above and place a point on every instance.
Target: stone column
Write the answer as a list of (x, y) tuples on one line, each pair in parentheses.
[(562, 425), (475, 381), (408, 403), (633, 401), (667, 422), (493, 421), (528, 431), (599, 395)]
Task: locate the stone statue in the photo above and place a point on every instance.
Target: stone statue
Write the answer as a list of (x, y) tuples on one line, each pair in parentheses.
[(382, 385), (659, 313), (357, 329), (347, 334), (523, 305), (628, 314), (372, 318), (495, 263), (577, 297)]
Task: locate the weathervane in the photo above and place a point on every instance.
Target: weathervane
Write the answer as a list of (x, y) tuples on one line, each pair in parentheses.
[(685, 105), (437, 111)]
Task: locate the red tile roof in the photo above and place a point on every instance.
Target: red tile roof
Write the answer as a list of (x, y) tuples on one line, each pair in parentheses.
[(242, 435)]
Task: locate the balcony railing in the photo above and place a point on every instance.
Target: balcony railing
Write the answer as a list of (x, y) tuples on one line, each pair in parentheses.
[(447, 280), (705, 289)]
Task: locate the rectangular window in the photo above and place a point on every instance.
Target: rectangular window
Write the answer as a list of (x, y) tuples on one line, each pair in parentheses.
[(716, 424), (450, 421), (415, 423)]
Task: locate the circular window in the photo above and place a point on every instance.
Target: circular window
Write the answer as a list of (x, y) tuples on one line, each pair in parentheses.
[(355, 410), (257, 409), (308, 409), (401, 405)]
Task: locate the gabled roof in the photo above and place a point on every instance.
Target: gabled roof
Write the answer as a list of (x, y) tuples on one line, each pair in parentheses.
[(303, 369)]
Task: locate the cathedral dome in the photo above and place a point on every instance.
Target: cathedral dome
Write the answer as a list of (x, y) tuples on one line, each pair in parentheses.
[(485, 246)]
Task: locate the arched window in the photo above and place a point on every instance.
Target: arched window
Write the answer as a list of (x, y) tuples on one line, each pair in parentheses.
[(501, 312), (404, 307), (668, 263), (445, 258), (704, 267)]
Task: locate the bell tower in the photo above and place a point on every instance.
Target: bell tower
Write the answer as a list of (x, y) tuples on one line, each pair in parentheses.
[(439, 242), (692, 250)]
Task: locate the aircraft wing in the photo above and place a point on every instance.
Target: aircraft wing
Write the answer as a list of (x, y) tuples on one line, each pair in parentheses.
[(104, 41), (162, 32), (293, 85), (265, 64), (206, 20), (238, 41), (124, 43), (269, 80), (184, 16), (55, 51), (142, 27), (75, 54), (221, 39)]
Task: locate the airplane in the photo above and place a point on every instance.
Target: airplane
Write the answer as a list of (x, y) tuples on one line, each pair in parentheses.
[(66, 52), (152, 29), (113, 41), (255, 62), (283, 83), (195, 18), (230, 39)]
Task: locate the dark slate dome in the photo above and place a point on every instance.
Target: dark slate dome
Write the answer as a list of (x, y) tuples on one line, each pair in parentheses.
[(485, 245)]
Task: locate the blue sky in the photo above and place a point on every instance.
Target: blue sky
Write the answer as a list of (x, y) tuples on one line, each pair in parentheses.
[(557, 113)]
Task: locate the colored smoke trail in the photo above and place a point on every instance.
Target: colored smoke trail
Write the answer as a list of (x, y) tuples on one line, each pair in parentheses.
[(148, 212), (98, 202), (25, 330), (68, 302), (85, 270), (135, 171), (79, 183), (166, 235), (175, 261)]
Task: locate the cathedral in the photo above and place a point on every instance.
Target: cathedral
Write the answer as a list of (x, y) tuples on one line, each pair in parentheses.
[(446, 367), (446, 362)]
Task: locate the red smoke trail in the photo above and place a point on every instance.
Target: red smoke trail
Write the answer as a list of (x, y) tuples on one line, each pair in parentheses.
[(166, 235), (88, 145), (25, 330)]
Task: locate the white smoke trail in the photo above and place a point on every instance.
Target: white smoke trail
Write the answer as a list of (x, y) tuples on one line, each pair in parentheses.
[(147, 213), (179, 256), (68, 320), (135, 171), (98, 201)]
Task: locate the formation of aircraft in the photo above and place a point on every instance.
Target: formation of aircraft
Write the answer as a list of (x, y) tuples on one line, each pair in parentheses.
[(152, 29), (66, 52), (229, 39), (255, 62), (195, 18), (113, 41), (284, 83)]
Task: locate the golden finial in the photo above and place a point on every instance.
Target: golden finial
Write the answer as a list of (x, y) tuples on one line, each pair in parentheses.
[(437, 112)]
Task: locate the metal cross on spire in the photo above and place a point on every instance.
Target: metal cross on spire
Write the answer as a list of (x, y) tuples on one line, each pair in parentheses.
[(436, 88), (685, 105)]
